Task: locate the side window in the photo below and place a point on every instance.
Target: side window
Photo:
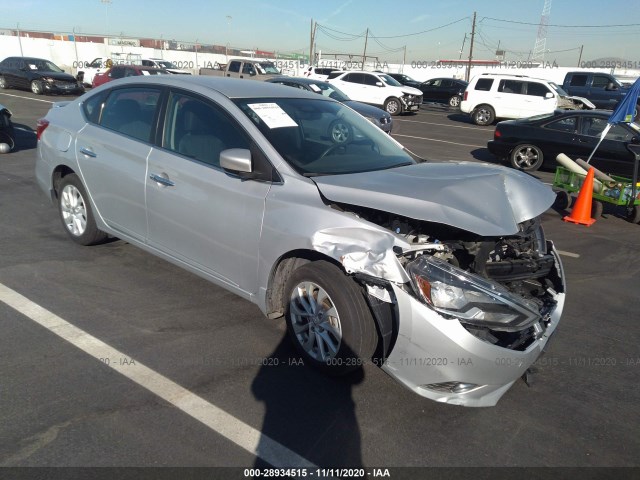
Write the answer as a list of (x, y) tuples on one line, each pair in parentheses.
[(564, 125), (484, 84), (592, 126), (200, 130), (578, 80), (93, 107), (619, 133), (248, 69), (510, 86), (131, 111), (600, 81), (234, 67), (370, 79), (129, 72), (446, 83), (147, 63), (537, 89), (354, 78)]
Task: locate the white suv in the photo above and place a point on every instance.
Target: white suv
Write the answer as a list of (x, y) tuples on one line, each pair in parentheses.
[(378, 89), (490, 96)]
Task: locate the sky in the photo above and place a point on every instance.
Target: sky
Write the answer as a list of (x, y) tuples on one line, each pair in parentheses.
[(285, 25)]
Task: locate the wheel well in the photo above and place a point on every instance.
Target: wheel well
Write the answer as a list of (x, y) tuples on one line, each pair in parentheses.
[(59, 173), (281, 272)]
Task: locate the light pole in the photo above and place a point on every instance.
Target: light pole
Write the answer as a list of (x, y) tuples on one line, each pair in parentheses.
[(106, 14), (226, 50)]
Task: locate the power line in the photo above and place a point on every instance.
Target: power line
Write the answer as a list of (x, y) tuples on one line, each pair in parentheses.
[(562, 26)]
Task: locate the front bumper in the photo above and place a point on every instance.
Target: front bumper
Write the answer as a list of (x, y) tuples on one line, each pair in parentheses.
[(73, 89), (432, 352)]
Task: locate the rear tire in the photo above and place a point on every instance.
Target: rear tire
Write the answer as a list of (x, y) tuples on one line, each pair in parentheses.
[(76, 213), (483, 115), (596, 209), (328, 319), (634, 216), (455, 101), (563, 200)]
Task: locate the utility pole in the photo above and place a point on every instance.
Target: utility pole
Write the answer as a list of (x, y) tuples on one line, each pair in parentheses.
[(404, 59), (580, 58), (364, 55), (464, 40), (473, 34), (19, 39), (312, 41)]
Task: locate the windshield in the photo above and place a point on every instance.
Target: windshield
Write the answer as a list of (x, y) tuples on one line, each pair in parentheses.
[(329, 90), (319, 137), (167, 64), (267, 67), (558, 89), (389, 80), (42, 66)]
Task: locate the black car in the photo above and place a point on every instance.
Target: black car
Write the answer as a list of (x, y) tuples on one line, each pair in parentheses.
[(405, 79), (530, 143), (443, 90), (38, 75), (6, 130), (375, 115)]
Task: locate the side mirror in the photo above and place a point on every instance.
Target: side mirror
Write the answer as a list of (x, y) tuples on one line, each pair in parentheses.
[(635, 141), (236, 160), (548, 95), (611, 86), (252, 73), (379, 84)]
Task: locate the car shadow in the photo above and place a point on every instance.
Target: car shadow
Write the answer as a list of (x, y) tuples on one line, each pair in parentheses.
[(484, 155), (309, 412), (24, 137)]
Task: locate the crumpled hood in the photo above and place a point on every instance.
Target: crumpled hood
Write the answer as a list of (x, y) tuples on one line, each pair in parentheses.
[(480, 198)]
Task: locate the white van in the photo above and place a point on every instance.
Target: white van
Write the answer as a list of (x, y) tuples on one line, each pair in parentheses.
[(490, 96)]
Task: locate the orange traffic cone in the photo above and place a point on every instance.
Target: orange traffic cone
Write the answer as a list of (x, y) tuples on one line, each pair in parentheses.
[(581, 213)]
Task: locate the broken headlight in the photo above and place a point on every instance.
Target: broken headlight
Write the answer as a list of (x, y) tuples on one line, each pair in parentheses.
[(470, 298)]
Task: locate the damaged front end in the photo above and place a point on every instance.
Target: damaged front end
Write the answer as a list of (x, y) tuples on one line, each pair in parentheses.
[(461, 316)]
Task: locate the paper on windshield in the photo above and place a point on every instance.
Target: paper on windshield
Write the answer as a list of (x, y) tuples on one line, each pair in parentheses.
[(315, 87), (272, 115)]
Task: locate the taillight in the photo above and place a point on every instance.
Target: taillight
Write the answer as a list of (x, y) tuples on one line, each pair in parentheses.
[(41, 125), (466, 94), (497, 134)]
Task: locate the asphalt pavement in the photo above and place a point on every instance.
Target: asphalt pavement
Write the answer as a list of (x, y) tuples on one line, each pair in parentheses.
[(63, 406)]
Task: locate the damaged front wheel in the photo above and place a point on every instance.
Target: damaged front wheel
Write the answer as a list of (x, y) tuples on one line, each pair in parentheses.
[(328, 318)]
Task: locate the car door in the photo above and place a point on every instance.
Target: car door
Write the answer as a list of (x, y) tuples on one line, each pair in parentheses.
[(198, 213), (557, 136), (537, 100), (598, 93), (612, 155), (112, 151), (353, 85), (509, 100), (21, 75)]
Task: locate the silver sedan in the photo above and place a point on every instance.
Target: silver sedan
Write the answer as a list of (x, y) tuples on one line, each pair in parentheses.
[(439, 273)]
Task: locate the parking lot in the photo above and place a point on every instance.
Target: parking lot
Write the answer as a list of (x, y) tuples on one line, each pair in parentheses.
[(224, 387)]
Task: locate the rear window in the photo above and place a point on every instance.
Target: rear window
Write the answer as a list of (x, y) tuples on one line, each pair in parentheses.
[(334, 74), (484, 84)]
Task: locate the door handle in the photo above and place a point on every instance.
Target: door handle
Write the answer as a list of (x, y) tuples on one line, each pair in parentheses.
[(164, 181), (88, 152)]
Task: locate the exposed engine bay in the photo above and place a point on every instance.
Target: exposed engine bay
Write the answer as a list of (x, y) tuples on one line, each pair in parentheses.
[(521, 263)]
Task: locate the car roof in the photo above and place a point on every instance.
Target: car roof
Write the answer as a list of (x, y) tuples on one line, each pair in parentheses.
[(301, 80), (229, 87)]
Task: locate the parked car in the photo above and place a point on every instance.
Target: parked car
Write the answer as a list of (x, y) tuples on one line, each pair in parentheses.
[(378, 89), (7, 142), (404, 80), (38, 75), (602, 89), (533, 142), (490, 96), (170, 67), (122, 71), (337, 130), (319, 73), (443, 90), (366, 251)]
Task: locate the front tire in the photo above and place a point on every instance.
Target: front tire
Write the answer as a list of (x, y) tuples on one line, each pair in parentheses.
[(526, 157), (483, 115), (36, 87), (393, 106), (76, 214), (340, 132), (455, 101), (328, 319)]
